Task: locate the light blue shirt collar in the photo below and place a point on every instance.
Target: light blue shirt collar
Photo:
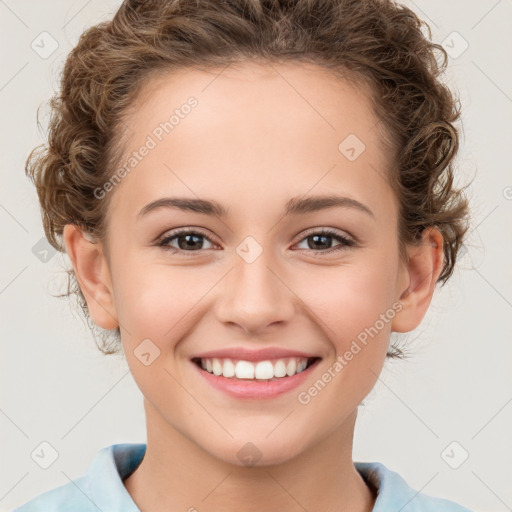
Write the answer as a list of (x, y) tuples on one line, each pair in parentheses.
[(102, 489)]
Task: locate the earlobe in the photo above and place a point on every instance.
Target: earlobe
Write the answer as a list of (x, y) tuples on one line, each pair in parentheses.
[(93, 275), (422, 271)]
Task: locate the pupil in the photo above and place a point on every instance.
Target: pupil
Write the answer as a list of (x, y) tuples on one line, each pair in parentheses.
[(188, 244), (319, 237)]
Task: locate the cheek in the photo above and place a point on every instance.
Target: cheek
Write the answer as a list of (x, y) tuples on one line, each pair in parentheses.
[(354, 306), (158, 301), (352, 298)]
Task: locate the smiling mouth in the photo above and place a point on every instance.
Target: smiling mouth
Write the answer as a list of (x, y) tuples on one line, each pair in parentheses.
[(267, 370)]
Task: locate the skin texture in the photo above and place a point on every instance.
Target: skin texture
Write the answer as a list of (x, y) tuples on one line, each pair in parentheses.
[(259, 136)]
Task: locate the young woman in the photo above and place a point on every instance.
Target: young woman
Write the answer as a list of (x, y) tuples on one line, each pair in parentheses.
[(253, 196)]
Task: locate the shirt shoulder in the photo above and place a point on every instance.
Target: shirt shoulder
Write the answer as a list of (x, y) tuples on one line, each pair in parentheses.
[(394, 494), (100, 488), (70, 496)]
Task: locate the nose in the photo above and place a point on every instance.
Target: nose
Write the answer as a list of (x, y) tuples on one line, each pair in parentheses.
[(255, 297)]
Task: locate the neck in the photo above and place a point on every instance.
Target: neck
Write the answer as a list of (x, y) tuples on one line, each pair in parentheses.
[(176, 474)]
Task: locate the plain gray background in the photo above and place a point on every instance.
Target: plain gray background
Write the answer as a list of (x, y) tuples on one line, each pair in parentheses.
[(58, 388)]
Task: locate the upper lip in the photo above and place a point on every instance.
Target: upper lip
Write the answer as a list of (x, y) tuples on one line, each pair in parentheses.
[(253, 355)]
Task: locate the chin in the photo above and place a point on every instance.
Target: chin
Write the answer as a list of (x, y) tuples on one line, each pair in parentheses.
[(257, 453)]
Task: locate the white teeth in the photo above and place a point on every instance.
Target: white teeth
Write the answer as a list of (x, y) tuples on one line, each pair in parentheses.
[(244, 370), (291, 367), (262, 370), (216, 367), (280, 368), (229, 368)]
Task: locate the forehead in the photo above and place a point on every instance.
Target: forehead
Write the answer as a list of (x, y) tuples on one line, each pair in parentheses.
[(254, 129), (253, 94)]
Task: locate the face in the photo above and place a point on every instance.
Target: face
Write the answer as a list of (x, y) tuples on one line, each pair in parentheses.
[(276, 270)]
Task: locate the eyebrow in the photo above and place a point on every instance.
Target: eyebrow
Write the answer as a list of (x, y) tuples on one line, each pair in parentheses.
[(295, 206)]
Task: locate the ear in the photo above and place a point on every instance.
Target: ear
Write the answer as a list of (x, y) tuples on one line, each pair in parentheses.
[(420, 274), (93, 275)]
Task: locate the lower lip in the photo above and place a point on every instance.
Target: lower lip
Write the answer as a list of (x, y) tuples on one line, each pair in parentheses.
[(254, 389)]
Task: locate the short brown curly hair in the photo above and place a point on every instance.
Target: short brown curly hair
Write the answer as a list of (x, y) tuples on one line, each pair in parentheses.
[(375, 43)]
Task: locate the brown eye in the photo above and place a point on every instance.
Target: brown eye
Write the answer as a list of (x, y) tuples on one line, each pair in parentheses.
[(186, 240), (322, 241)]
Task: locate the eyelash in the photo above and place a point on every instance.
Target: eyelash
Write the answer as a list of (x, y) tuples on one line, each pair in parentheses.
[(345, 242)]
